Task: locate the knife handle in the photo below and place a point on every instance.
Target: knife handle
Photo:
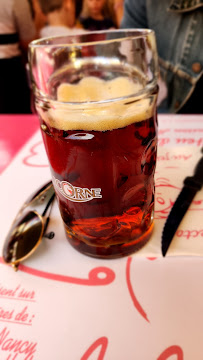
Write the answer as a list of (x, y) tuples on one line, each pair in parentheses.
[(192, 183), (196, 181)]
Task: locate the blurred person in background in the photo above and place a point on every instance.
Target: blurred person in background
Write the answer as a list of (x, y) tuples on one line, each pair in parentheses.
[(97, 15), (17, 29), (118, 10), (178, 25), (39, 18), (61, 19), (78, 8)]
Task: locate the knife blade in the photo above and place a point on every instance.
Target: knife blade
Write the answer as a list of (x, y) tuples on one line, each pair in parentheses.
[(192, 184)]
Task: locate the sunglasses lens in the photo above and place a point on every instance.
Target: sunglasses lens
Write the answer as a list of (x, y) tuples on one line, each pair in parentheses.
[(23, 237)]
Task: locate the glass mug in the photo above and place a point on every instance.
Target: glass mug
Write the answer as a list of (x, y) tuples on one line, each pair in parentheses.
[(95, 95)]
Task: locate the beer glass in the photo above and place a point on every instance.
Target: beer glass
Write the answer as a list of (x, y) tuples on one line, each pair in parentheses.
[(95, 95)]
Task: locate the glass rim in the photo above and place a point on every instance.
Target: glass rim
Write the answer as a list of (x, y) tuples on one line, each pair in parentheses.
[(128, 33), (89, 39)]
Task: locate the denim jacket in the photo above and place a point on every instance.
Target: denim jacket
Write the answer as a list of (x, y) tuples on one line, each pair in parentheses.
[(178, 25)]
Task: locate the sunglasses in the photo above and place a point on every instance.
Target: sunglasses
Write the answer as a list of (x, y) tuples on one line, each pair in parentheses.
[(29, 226)]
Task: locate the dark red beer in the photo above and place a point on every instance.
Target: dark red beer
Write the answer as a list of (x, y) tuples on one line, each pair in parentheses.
[(107, 178)]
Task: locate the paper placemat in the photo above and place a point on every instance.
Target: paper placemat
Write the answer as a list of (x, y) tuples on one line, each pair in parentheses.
[(64, 305)]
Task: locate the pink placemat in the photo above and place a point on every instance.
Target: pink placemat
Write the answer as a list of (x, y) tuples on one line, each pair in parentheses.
[(15, 130)]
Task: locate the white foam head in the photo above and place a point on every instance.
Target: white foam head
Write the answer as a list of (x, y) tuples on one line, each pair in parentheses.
[(102, 116)]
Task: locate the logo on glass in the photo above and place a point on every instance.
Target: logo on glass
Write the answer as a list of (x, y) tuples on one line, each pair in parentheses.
[(76, 194)]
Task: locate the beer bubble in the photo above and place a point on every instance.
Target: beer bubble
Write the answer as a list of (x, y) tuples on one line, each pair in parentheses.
[(43, 127), (65, 133)]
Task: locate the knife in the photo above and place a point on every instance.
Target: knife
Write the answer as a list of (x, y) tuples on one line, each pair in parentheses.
[(192, 184)]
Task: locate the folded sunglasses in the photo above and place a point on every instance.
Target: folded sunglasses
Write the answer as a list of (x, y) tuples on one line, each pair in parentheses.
[(29, 226)]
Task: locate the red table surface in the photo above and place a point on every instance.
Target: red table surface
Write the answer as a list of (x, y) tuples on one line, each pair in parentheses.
[(15, 131)]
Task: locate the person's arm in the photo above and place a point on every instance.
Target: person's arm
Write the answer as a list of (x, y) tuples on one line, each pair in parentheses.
[(40, 19), (24, 23), (135, 15), (118, 9)]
